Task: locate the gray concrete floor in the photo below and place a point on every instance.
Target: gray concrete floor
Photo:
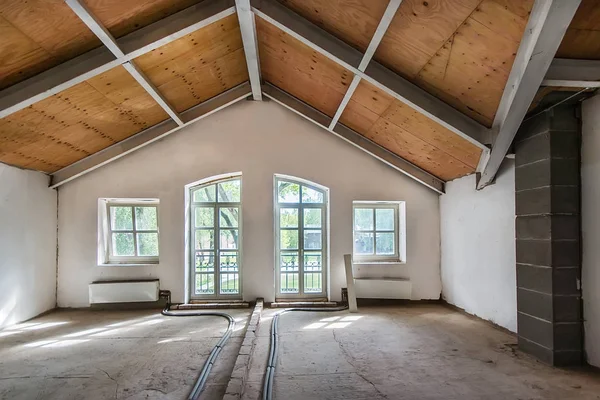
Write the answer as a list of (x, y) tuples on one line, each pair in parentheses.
[(114, 354), (406, 352)]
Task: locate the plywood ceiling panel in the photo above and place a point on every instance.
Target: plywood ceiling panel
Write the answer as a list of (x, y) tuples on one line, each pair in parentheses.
[(409, 134), (77, 122), (582, 40), (459, 50), (353, 21), (297, 69), (198, 66), (40, 34)]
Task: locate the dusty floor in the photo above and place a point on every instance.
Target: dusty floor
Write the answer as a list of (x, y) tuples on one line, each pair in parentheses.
[(408, 352), (114, 354)]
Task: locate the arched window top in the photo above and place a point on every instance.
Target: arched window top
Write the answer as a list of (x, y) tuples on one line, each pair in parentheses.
[(298, 191), (226, 190)]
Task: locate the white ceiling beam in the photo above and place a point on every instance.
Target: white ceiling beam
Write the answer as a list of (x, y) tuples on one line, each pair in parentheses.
[(376, 74), (250, 42), (573, 73), (384, 24), (149, 136), (548, 22), (356, 139), (100, 60)]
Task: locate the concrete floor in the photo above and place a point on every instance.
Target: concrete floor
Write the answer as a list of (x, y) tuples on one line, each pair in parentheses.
[(114, 354), (407, 352)]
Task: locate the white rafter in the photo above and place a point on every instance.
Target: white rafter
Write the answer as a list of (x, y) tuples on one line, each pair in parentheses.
[(573, 73), (250, 42)]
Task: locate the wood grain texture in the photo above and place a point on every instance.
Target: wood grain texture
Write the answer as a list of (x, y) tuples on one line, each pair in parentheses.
[(409, 134), (297, 69), (77, 122), (37, 35), (353, 21), (198, 66), (582, 40), (461, 51)]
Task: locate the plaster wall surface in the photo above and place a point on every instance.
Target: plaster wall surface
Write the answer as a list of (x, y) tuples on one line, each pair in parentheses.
[(590, 226), (478, 247), (27, 245), (259, 139)]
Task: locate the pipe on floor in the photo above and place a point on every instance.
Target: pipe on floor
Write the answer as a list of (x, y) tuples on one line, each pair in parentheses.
[(208, 364), (273, 347)]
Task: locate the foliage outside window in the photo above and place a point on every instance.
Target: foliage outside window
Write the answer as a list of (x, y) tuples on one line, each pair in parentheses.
[(132, 233), (376, 232)]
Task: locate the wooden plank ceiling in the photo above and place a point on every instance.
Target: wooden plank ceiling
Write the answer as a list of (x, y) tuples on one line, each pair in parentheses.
[(582, 40)]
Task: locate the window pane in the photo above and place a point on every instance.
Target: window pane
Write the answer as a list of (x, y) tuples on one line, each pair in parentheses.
[(288, 217), (289, 267), (145, 219), (312, 282), (205, 194), (204, 217), (122, 244), (229, 192), (205, 262), (288, 239), (229, 261), (385, 243), (363, 219), (205, 284), (229, 239), (230, 283), (312, 239), (313, 261), (363, 243), (289, 262), (384, 219), (229, 217), (121, 218), (288, 192), (311, 196), (205, 239), (289, 283), (312, 217), (147, 244)]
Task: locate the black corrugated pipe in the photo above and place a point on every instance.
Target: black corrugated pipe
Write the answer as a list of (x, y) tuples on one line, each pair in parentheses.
[(208, 364)]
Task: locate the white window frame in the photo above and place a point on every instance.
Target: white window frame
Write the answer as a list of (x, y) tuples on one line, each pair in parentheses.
[(216, 205), (105, 250), (399, 231)]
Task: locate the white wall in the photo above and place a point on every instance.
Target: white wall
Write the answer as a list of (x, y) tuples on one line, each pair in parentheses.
[(478, 247), (259, 139), (590, 199), (27, 245)]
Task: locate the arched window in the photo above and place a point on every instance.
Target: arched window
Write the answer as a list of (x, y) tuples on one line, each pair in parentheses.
[(301, 238), (216, 230)]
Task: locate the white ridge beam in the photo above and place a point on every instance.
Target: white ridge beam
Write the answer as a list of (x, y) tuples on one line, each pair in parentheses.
[(548, 22), (573, 73), (376, 74), (100, 60), (250, 42)]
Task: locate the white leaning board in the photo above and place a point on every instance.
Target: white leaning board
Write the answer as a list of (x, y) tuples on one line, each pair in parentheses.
[(383, 288), (123, 292)]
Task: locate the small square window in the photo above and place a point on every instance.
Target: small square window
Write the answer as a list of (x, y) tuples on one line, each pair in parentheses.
[(378, 232)]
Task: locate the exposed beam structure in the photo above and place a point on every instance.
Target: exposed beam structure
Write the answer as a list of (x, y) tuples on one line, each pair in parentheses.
[(573, 73), (544, 32), (352, 137), (376, 74), (250, 42), (109, 41), (149, 135), (100, 60), (384, 24)]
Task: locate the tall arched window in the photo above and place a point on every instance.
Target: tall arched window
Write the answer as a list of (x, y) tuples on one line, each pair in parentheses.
[(216, 236), (301, 238)]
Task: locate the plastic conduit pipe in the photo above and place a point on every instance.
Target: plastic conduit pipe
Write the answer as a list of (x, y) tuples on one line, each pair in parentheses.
[(272, 361), (208, 364)]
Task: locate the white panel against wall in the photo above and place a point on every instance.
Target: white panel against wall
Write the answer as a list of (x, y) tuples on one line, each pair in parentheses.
[(259, 139), (123, 292), (478, 247), (383, 289), (590, 198), (27, 245)]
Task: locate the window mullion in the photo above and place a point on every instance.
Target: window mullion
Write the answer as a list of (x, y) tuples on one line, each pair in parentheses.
[(217, 245), (301, 245), (135, 248)]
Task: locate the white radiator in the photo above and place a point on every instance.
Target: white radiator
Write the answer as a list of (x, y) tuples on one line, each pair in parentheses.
[(123, 291), (368, 288)]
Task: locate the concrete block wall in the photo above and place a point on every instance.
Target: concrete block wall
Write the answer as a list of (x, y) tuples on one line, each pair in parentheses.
[(547, 191)]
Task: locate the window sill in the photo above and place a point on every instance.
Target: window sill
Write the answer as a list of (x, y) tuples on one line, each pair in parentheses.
[(397, 262), (140, 264)]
